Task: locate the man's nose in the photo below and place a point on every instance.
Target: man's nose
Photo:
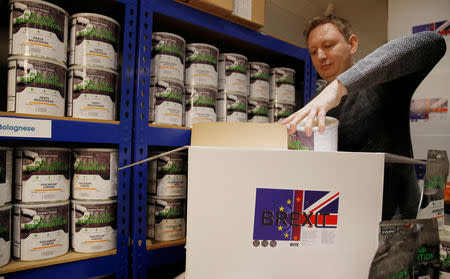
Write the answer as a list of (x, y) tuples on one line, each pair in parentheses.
[(321, 54)]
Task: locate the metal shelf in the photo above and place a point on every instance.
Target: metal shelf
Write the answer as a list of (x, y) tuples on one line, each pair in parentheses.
[(195, 26), (73, 131)]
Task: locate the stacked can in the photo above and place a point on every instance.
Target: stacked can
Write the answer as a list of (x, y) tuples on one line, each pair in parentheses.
[(94, 204), (232, 97), (37, 58), (167, 180), (5, 206), (200, 83), (41, 209), (258, 102), (167, 79), (93, 78), (282, 94)]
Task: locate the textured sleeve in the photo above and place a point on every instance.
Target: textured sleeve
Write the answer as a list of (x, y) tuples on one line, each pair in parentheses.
[(409, 55)]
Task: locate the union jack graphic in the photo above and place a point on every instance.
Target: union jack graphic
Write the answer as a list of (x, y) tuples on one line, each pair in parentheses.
[(287, 214), (442, 27)]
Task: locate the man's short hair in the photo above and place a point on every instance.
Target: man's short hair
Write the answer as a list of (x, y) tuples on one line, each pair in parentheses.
[(342, 24)]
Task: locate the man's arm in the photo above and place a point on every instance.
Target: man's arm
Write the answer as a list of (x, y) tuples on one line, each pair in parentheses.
[(409, 55)]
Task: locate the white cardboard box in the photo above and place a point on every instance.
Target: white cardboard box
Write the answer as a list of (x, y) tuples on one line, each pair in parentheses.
[(230, 188)]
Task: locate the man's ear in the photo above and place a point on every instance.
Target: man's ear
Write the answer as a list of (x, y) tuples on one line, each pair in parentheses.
[(353, 41)]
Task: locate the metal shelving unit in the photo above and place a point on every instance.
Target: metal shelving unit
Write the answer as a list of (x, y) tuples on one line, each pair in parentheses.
[(195, 26), (74, 132)]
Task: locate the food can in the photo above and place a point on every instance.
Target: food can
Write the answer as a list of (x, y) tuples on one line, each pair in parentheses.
[(200, 105), (282, 85), (6, 162), (167, 175), (94, 40), (36, 86), (5, 234), (259, 80), (38, 28), (42, 174), (94, 173), (92, 93), (170, 213), (233, 73), (231, 107), (327, 141), (280, 111), (40, 231), (201, 65), (167, 56), (94, 225), (258, 110), (166, 102)]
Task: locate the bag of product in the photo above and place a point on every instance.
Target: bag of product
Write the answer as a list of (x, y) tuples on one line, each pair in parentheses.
[(407, 249)]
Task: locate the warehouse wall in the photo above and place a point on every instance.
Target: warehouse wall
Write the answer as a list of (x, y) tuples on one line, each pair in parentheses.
[(286, 19), (432, 133)]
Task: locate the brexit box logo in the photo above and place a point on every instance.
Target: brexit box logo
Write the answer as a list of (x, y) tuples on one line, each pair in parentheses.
[(297, 217), (442, 27)]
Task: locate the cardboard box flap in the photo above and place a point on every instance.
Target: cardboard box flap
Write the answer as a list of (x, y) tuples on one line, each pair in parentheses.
[(246, 135), (392, 158)]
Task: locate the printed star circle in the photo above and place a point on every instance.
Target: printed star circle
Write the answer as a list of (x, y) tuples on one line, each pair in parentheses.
[(281, 208), (289, 202), (286, 235), (280, 228)]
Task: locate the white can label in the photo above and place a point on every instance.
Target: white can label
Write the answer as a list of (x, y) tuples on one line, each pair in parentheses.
[(233, 74), (94, 227), (166, 103), (92, 94), (94, 175), (5, 236), (435, 210), (40, 233), (282, 85), (169, 219), (200, 105), (167, 57), (42, 175), (259, 81), (39, 30), (167, 175), (201, 65), (36, 87), (232, 108), (94, 41), (5, 176)]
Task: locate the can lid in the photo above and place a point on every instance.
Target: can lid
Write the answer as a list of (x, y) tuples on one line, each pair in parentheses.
[(95, 150), (93, 202), (168, 34), (6, 148), (282, 103), (167, 198), (204, 45), (154, 80), (95, 15), (36, 58), (41, 2), (234, 93), (283, 68), (233, 54), (194, 87), (79, 67), (258, 63), (41, 204)]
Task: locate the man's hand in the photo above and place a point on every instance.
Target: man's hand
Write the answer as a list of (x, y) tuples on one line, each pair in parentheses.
[(329, 98)]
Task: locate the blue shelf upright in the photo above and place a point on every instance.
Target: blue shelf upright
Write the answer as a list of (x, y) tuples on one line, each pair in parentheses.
[(194, 26), (73, 132)]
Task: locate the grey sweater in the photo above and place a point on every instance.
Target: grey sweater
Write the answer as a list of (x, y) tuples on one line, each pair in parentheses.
[(374, 115)]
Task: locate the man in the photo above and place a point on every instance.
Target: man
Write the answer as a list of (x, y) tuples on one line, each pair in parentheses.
[(370, 99)]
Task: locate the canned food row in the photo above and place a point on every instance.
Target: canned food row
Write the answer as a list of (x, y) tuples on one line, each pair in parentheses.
[(38, 86), (173, 104), (41, 231), (199, 64), (46, 174), (41, 29), (166, 218), (167, 175)]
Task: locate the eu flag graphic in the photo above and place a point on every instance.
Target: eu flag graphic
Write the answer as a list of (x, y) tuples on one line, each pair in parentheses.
[(442, 27), (287, 214)]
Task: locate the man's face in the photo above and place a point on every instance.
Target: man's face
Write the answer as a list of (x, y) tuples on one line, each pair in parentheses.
[(330, 52)]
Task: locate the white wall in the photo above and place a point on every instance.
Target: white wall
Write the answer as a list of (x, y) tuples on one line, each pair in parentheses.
[(402, 16)]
